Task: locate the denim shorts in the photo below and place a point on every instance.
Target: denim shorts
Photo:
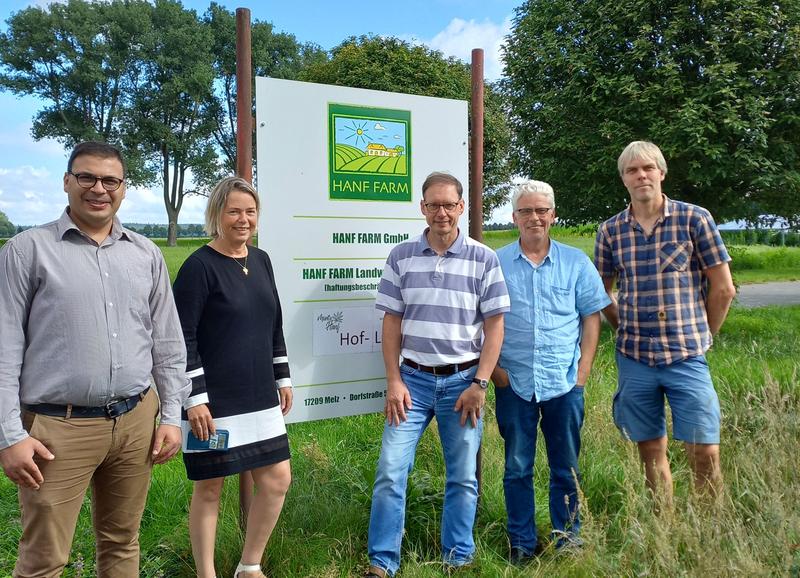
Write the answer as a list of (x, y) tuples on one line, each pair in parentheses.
[(639, 401)]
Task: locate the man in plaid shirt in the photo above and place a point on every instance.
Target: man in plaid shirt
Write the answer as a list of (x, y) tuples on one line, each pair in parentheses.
[(674, 292)]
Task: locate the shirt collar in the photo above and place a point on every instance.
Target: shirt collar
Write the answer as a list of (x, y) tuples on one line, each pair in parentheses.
[(65, 224), (552, 253), (458, 245), (667, 207)]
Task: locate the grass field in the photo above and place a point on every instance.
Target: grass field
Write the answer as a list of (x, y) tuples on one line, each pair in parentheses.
[(754, 531)]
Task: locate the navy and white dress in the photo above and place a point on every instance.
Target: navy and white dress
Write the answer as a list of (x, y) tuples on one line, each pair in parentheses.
[(236, 358)]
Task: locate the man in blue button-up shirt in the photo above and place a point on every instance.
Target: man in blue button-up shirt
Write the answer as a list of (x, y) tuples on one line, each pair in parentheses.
[(549, 345)]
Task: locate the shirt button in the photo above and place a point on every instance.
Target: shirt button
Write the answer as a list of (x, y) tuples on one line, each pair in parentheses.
[(114, 335), (106, 274), (110, 304)]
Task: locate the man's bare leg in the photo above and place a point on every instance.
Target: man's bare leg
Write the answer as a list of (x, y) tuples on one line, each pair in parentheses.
[(657, 472), (704, 461)]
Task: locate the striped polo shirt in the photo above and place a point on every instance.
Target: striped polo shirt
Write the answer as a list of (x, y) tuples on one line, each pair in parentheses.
[(443, 300), (662, 290)]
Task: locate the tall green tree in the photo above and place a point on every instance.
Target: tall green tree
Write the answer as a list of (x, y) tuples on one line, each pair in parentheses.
[(394, 65), (152, 77), (82, 60), (713, 82), (7, 229), (168, 120)]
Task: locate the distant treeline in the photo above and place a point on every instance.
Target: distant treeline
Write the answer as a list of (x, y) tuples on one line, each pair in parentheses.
[(148, 230), (160, 231)]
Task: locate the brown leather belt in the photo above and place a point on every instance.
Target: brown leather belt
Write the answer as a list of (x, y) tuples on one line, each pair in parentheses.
[(443, 369)]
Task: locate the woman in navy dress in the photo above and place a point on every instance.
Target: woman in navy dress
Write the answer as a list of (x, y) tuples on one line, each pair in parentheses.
[(236, 356)]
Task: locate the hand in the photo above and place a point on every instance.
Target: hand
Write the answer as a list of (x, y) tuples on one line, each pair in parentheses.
[(469, 403), (201, 422), (287, 395), (19, 466), (398, 400), (166, 444), (500, 377)]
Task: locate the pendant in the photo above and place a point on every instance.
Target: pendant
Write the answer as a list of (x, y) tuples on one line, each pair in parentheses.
[(246, 271)]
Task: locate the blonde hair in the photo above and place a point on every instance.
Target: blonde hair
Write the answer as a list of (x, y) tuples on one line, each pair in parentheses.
[(641, 149), (219, 197)]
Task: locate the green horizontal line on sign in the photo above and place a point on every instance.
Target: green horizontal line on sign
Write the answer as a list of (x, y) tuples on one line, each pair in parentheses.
[(339, 382), (333, 300), (359, 218), (339, 259)]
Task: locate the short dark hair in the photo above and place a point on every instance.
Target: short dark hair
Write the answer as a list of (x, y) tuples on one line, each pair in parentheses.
[(96, 149), (441, 178)]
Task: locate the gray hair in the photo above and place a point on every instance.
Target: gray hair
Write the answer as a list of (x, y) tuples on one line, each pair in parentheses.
[(533, 188), (641, 149), (219, 197)]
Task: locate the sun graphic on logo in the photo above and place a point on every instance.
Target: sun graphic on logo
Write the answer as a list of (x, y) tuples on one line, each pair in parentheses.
[(358, 132)]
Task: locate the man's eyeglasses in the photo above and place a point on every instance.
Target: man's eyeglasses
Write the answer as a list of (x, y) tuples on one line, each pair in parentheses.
[(87, 181), (540, 211), (433, 208)]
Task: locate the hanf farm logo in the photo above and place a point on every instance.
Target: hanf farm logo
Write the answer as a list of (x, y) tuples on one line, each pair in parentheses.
[(369, 152)]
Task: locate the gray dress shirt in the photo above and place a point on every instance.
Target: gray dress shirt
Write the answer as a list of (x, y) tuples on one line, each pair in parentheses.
[(83, 324)]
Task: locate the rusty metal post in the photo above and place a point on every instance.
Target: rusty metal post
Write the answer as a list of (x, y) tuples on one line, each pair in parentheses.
[(476, 182), (244, 169), (244, 96), (476, 149)]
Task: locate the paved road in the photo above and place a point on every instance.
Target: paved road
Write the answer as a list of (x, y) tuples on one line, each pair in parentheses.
[(761, 294)]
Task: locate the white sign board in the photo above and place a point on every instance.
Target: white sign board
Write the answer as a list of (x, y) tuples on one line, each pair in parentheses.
[(340, 174)]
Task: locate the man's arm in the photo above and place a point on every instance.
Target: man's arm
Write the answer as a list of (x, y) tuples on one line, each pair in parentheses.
[(721, 292), (398, 398), (500, 377), (473, 398), (169, 364), (590, 336), (611, 312), (18, 448)]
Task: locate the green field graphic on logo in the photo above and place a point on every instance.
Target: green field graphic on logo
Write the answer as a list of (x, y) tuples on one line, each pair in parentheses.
[(369, 153)]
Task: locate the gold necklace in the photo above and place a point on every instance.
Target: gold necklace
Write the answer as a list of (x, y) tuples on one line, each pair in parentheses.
[(244, 267)]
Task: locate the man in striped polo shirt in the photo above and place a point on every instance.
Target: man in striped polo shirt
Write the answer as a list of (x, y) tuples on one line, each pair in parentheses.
[(443, 298), (675, 289)]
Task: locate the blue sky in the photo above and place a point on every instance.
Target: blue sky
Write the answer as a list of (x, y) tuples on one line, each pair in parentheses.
[(31, 172)]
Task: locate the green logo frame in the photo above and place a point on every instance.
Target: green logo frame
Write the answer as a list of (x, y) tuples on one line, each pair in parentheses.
[(369, 153)]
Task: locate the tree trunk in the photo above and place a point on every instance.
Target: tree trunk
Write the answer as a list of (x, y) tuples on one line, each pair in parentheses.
[(172, 227)]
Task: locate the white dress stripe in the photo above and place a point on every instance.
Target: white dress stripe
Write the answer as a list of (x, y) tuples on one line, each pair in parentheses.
[(246, 428)]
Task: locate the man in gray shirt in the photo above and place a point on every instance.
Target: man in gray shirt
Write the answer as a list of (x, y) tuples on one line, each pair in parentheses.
[(86, 317)]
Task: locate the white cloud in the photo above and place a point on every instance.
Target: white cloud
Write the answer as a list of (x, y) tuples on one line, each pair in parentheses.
[(31, 195), (379, 126), (502, 214), (461, 36), (35, 195)]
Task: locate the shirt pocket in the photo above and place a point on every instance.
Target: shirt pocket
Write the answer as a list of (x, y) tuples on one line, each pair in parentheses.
[(674, 256), (140, 283), (563, 300)]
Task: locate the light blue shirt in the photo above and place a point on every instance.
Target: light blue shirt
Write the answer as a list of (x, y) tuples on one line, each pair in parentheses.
[(541, 346)]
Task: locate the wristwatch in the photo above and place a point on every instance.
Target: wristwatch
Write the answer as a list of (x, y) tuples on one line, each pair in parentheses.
[(482, 383)]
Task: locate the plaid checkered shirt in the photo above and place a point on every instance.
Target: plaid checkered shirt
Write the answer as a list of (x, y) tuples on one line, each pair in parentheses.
[(662, 290)]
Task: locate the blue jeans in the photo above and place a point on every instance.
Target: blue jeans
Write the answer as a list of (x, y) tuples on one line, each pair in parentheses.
[(561, 419), (430, 396)]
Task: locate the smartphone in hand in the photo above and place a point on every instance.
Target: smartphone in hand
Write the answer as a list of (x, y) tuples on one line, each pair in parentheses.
[(217, 441)]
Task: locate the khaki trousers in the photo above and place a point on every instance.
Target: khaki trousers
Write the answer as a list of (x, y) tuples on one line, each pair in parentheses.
[(111, 454)]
